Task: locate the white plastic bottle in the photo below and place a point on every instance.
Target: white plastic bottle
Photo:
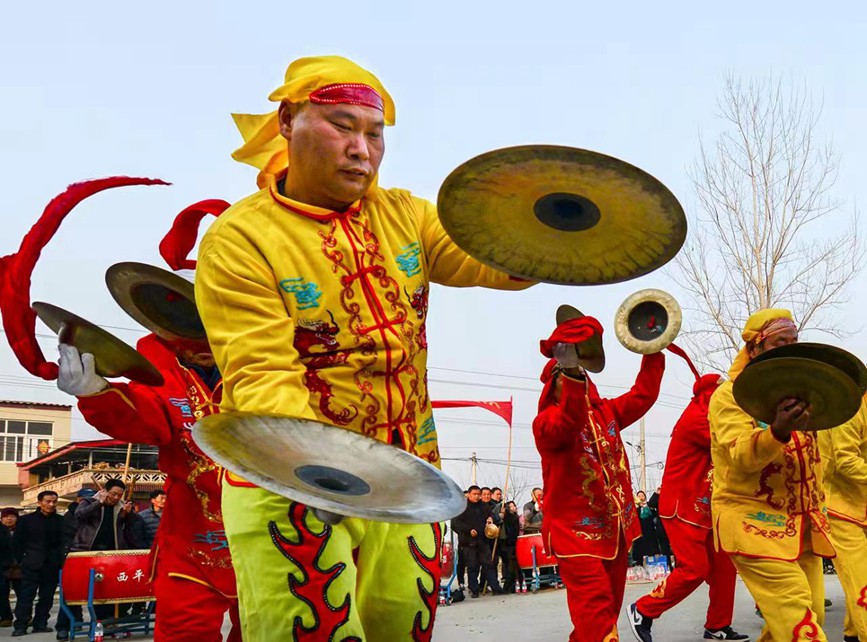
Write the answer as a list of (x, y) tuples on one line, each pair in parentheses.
[(98, 633)]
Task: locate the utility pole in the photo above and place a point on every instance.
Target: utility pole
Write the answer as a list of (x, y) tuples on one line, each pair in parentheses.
[(474, 464), (642, 459)]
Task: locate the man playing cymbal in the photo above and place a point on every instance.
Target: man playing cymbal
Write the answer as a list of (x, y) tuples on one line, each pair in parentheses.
[(590, 518), (768, 497), (314, 294)]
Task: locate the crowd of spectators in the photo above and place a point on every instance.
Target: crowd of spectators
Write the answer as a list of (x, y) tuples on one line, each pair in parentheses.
[(34, 547)]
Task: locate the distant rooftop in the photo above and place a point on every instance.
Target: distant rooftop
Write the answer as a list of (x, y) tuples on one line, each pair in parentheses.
[(33, 404)]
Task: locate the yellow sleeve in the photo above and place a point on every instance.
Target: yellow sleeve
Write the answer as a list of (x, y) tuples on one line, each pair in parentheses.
[(249, 328), (749, 447), (450, 265), (826, 450), (846, 443)]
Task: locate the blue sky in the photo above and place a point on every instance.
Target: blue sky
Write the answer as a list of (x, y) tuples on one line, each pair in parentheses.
[(98, 88)]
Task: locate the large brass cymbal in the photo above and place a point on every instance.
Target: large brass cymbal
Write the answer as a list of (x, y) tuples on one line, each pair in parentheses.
[(832, 355), (832, 394), (113, 357), (331, 469), (160, 300), (561, 215)]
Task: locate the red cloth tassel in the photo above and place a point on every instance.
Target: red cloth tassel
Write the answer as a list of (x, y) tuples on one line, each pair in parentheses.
[(178, 243), (19, 320)]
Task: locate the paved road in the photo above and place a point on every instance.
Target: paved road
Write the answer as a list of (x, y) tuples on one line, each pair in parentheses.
[(543, 617)]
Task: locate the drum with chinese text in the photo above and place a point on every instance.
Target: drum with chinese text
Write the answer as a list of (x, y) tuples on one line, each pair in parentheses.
[(121, 576)]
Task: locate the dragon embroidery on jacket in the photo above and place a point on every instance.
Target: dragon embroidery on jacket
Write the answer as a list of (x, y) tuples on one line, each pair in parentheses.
[(765, 489), (311, 333)]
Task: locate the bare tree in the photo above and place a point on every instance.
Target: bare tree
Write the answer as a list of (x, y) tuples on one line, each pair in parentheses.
[(770, 233)]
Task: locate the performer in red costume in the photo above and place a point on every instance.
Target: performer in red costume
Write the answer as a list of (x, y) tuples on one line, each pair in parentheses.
[(684, 504), (590, 519), (194, 581)]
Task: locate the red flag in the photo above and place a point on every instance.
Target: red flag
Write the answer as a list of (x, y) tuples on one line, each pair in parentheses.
[(501, 408)]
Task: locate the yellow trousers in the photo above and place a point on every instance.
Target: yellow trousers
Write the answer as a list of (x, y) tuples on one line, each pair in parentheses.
[(790, 595), (850, 540), (299, 579)]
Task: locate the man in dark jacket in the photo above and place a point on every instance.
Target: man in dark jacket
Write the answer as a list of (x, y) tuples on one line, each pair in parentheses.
[(470, 527), (105, 523), (151, 516), (38, 546), (10, 573)]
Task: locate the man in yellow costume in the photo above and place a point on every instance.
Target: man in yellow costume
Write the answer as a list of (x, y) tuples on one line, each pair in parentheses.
[(844, 461), (313, 292), (768, 497)]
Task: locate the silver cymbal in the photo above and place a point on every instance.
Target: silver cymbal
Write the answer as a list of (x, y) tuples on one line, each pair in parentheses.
[(331, 469)]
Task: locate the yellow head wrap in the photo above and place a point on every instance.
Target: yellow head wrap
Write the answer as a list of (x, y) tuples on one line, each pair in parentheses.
[(264, 148), (757, 322)]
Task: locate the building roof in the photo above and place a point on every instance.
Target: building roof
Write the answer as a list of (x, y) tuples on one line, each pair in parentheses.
[(68, 448), (33, 404)]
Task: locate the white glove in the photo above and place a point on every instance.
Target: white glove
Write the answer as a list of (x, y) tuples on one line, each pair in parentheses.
[(77, 374), (566, 355)]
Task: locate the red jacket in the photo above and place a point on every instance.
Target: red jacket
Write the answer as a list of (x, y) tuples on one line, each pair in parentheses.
[(688, 478), (585, 471), (191, 540)]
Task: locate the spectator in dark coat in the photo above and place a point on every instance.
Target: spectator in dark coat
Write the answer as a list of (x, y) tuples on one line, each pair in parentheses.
[(38, 546), (470, 527), (647, 544), (10, 572), (105, 522), (533, 512), (151, 516)]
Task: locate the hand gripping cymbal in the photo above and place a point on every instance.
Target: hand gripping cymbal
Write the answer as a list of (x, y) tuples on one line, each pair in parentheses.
[(112, 357), (331, 469)]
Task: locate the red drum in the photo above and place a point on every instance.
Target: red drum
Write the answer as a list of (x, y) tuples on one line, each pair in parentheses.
[(448, 560), (524, 552), (121, 576)]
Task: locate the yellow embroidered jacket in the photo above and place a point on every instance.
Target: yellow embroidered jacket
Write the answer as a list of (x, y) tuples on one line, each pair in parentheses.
[(321, 315), (766, 495), (844, 461)]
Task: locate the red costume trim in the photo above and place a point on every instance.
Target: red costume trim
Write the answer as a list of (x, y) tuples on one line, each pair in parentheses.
[(322, 215), (348, 93), (312, 588)]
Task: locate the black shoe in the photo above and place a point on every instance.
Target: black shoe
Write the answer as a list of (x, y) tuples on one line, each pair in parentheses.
[(828, 603), (850, 638), (18, 632), (43, 629), (725, 633), (62, 634), (639, 624), (474, 594)]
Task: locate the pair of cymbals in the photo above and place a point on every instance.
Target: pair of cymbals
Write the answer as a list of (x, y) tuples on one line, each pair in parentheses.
[(160, 300), (832, 380), (561, 215)]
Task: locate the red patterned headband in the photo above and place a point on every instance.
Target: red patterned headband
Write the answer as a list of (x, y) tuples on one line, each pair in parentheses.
[(348, 93), (774, 327)]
